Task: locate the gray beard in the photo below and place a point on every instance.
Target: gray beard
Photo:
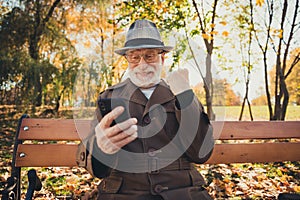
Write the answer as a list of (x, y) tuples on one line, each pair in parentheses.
[(145, 83)]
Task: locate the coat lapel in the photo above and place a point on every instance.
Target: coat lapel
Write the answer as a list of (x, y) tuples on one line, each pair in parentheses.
[(162, 94), (127, 90)]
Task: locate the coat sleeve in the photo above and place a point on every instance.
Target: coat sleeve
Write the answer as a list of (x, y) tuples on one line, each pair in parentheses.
[(195, 127)]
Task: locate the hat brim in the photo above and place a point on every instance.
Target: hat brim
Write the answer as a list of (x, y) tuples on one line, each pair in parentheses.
[(123, 50)]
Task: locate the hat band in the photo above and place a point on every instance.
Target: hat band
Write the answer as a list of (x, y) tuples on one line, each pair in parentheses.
[(143, 41)]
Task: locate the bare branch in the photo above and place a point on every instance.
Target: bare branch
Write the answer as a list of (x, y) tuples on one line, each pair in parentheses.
[(295, 62), (290, 37), (50, 12)]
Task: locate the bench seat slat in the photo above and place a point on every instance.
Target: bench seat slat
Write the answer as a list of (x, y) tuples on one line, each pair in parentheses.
[(256, 152), (66, 129), (61, 155)]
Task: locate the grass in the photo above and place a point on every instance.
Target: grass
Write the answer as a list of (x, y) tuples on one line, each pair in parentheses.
[(259, 113)]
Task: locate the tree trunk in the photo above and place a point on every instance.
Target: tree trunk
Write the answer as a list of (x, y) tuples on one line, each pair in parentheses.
[(285, 101), (280, 86), (57, 105), (209, 44), (264, 50), (37, 32), (209, 88), (248, 69)]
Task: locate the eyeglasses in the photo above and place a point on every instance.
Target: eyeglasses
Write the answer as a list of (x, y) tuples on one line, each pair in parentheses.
[(148, 56)]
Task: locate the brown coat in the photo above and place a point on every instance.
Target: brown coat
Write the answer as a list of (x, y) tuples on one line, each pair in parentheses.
[(172, 133)]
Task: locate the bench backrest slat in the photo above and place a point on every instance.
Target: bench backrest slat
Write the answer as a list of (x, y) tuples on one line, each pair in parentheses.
[(233, 130), (53, 129), (255, 153), (68, 129), (46, 155)]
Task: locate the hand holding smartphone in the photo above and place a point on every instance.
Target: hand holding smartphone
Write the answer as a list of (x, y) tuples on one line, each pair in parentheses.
[(106, 105), (111, 140)]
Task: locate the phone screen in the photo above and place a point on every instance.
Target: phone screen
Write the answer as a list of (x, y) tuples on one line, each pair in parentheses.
[(106, 105)]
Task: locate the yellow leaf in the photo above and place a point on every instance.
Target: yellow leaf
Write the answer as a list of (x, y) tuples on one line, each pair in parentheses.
[(178, 3), (223, 23), (214, 32), (228, 190), (206, 36), (260, 2), (297, 188), (258, 186), (225, 33), (212, 25), (87, 43), (280, 35), (259, 178), (69, 187), (226, 180), (71, 180)]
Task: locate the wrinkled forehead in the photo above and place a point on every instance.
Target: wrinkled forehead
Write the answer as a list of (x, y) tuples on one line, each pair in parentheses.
[(142, 51)]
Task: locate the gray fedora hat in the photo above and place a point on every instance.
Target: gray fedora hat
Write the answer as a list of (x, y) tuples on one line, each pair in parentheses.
[(143, 34)]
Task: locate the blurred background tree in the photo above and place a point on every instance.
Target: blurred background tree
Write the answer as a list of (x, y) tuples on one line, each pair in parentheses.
[(54, 52)]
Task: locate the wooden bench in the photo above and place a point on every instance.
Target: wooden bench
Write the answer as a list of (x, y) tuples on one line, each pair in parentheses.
[(236, 142)]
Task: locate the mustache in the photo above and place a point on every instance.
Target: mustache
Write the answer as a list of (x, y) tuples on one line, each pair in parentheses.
[(144, 68)]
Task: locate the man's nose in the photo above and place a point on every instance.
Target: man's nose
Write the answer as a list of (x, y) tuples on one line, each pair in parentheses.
[(142, 60)]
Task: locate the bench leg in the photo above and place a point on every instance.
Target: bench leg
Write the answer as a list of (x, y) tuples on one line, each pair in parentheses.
[(34, 184), (12, 190)]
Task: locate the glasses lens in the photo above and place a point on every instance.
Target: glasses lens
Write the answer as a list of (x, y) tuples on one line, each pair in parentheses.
[(133, 58), (149, 56)]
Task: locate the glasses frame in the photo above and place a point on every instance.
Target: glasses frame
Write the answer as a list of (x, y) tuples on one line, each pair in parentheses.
[(143, 56)]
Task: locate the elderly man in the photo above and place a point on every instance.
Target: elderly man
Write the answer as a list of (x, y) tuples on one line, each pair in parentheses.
[(149, 155)]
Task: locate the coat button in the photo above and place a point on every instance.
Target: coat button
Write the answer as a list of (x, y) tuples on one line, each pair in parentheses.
[(160, 188), (82, 156), (151, 152), (147, 119)]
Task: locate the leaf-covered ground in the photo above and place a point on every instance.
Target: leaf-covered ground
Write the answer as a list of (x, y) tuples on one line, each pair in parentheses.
[(235, 181)]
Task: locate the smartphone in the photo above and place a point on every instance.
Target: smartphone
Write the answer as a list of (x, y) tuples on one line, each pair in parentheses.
[(106, 105)]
